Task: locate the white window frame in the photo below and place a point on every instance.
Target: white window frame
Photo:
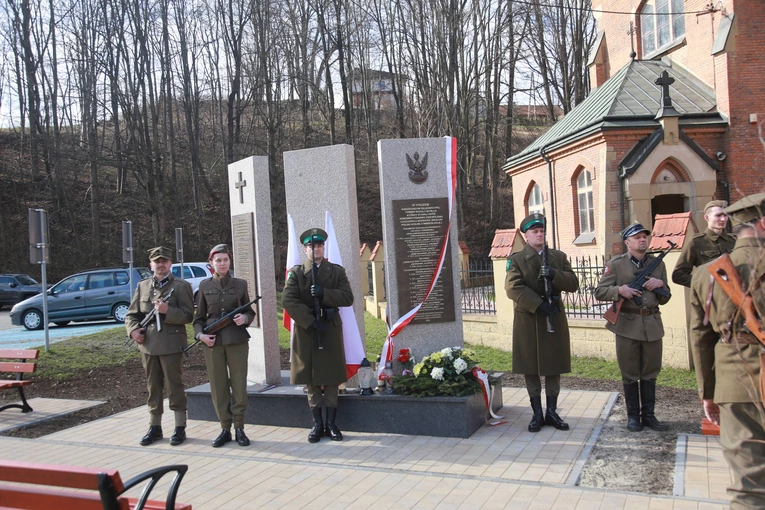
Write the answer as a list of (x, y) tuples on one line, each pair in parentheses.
[(659, 32), (584, 202), (536, 201)]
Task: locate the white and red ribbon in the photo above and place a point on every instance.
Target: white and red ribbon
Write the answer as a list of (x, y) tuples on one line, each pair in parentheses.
[(488, 394), (404, 320)]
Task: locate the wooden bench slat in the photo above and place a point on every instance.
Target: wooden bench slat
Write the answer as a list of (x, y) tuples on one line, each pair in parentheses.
[(157, 505), (58, 476), (20, 353), (13, 384), (33, 498), (18, 367)]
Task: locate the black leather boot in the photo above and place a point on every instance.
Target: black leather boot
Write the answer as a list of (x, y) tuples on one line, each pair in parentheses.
[(154, 434), (317, 432), (551, 417), (648, 401), (332, 431), (241, 437), (223, 438), (632, 402), (179, 436), (538, 421)]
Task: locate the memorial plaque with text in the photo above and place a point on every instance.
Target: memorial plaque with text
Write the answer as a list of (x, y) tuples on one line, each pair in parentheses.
[(419, 229), (243, 234)]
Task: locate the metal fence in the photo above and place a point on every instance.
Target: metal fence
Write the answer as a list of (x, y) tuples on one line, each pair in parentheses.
[(582, 303), (477, 287)]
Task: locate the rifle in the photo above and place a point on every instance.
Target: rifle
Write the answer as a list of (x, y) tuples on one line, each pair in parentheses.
[(221, 323), (316, 304), (725, 274), (548, 289), (612, 314), (152, 316)]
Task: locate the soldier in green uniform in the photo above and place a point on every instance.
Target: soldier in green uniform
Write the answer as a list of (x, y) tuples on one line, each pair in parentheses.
[(322, 370), (228, 349), (161, 350), (638, 329), (704, 246), (727, 357), (537, 352)]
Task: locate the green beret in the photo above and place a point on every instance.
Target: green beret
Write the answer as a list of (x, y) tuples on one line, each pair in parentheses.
[(160, 252), (313, 235), (716, 203), (533, 220), (747, 209)]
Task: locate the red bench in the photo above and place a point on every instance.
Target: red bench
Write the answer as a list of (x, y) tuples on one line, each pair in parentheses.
[(32, 487), (20, 367)]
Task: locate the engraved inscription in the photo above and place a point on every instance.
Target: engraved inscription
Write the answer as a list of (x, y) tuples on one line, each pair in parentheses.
[(419, 228), (243, 232)]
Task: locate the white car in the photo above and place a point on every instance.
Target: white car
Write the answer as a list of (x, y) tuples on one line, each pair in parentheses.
[(194, 273)]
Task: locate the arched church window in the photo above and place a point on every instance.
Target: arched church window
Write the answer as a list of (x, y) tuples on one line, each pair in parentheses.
[(584, 203), (536, 202)]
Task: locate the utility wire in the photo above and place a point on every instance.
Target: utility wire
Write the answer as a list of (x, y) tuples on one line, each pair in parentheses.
[(709, 10)]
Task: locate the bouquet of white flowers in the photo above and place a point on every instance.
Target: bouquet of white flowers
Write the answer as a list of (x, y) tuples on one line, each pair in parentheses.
[(444, 372)]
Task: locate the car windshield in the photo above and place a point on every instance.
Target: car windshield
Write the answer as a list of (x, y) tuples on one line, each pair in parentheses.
[(26, 279)]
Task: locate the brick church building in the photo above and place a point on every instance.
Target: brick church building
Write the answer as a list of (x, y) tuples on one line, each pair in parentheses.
[(673, 120)]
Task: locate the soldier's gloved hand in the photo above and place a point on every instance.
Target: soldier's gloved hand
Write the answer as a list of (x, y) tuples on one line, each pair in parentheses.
[(319, 325), (317, 291), (547, 272), (548, 309)]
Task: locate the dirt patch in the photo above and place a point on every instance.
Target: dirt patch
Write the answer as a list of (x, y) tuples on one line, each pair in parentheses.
[(621, 460)]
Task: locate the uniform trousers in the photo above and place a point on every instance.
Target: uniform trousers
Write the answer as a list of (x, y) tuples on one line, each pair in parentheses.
[(227, 370), (160, 371), (638, 360), (317, 396), (534, 385), (742, 437)]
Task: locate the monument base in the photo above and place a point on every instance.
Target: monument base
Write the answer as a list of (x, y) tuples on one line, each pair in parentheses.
[(287, 406)]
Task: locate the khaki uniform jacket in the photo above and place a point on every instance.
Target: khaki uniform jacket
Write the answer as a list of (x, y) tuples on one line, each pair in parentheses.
[(535, 351), (701, 248), (309, 364), (621, 271), (737, 366), (214, 301), (180, 311), (703, 337)]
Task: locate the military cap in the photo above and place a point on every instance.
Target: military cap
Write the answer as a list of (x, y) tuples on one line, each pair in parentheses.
[(219, 248), (533, 220), (634, 229), (747, 209), (160, 252), (313, 235), (716, 203)]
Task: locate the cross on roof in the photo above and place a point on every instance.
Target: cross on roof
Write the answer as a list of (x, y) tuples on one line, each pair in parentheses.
[(664, 81), (240, 186)]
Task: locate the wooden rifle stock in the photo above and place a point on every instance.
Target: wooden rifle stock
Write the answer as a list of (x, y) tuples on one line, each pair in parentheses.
[(726, 276), (220, 324)]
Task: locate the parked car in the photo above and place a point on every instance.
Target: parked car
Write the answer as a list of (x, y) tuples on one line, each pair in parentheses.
[(194, 273), (17, 287), (88, 295)]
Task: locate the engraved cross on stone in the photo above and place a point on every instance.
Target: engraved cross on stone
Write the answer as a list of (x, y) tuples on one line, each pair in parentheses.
[(664, 81), (240, 186)]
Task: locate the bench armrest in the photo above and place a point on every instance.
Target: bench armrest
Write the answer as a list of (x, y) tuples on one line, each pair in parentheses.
[(154, 475)]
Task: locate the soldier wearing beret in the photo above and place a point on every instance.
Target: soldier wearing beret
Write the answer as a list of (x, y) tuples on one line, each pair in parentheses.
[(228, 348), (638, 329), (704, 246), (537, 352), (727, 356), (161, 350), (318, 355)]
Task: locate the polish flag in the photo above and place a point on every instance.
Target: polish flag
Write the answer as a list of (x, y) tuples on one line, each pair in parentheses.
[(293, 259), (354, 348)]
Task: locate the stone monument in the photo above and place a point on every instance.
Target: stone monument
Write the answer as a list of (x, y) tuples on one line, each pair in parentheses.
[(415, 182), (253, 250), (324, 179)]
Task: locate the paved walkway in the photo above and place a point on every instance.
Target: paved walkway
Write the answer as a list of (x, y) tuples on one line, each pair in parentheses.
[(498, 467)]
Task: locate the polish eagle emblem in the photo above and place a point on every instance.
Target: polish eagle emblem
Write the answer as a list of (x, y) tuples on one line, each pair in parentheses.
[(417, 172)]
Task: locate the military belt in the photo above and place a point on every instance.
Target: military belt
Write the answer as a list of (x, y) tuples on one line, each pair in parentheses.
[(643, 312)]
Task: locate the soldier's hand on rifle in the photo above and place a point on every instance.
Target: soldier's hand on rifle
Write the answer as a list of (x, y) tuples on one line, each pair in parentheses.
[(319, 325), (653, 283), (548, 309), (161, 306), (138, 335), (628, 292), (317, 291), (712, 411), (208, 340), (547, 272), (240, 319)]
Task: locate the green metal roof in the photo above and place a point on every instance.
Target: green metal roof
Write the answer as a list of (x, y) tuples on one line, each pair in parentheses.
[(628, 99)]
